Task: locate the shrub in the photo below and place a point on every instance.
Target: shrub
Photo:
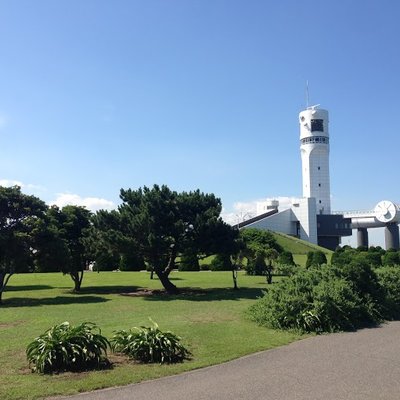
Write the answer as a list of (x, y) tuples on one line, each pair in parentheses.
[(221, 262), (391, 258), (365, 283), (373, 258), (286, 269), (256, 266), (106, 261), (149, 345), (316, 300), (67, 348), (315, 259), (189, 262), (131, 262), (286, 258), (389, 279)]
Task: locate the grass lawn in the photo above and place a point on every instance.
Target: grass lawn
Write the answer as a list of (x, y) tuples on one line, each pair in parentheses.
[(213, 324)]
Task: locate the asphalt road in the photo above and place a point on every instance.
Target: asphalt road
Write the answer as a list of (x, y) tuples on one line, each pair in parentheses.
[(361, 365)]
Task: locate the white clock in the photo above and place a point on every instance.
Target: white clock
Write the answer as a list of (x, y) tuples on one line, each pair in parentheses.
[(386, 211)]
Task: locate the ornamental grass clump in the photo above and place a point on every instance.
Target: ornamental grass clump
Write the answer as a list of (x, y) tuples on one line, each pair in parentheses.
[(149, 345), (68, 348)]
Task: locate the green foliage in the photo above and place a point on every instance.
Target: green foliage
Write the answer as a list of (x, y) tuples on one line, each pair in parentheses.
[(189, 262), (161, 224), (286, 269), (257, 238), (258, 246), (391, 258), (67, 348), (371, 258), (256, 265), (315, 259), (365, 283), (389, 279), (19, 216), (221, 262), (320, 300), (286, 258), (106, 261), (131, 261), (73, 225), (150, 345)]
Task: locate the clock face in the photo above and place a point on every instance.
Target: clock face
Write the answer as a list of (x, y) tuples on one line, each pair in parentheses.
[(385, 211)]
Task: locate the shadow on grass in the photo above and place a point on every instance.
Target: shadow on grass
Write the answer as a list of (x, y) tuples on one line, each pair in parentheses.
[(58, 300), (213, 294), (10, 288), (107, 289)]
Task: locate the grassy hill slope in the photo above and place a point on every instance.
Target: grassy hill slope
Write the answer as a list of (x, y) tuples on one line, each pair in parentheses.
[(299, 248)]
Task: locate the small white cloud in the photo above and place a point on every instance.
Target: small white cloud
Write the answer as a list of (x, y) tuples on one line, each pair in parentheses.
[(10, 182), (91, 203), (26, 187)]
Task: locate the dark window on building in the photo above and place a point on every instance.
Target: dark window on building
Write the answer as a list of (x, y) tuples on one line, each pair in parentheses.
[(319, 184), (319, 168), (320, 202), (317, 125)]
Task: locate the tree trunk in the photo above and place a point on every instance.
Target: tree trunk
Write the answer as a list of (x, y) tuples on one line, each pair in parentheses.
[(77, 278), (269, 275), (152, 273), (3, 282), (234, 277), (168, 285), (171, 263)]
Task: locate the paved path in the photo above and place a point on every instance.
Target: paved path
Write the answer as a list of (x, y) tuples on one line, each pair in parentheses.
[(353, 366)]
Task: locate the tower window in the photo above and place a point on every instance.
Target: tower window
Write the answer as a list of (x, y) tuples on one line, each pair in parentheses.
[(319, 184), (317, 125), (320, 202), (319, 168)]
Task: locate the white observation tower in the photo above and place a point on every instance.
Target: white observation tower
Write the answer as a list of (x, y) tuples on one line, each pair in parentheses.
[(314, 147)]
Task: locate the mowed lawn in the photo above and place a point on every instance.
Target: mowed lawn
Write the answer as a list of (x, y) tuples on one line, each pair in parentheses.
[(212, 323)]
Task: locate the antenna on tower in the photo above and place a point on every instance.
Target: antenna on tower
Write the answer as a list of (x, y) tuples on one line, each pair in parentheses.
[(307, 95)]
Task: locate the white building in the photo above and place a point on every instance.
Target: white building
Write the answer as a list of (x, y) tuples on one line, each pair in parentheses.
[(310, 217)]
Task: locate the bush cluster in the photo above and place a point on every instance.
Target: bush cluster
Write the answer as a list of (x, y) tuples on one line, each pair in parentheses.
[(67, 348), (331, 298), (221, 262), (149, 345), (389, 279)]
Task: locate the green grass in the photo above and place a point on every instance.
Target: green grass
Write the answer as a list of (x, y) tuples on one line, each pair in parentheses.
[(299, 248), (212, 323)]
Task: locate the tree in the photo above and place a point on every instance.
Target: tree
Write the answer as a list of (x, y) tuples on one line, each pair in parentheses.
[(19, 213), (258, 246), (253, 237), (73, 224), (51, 250), (163, 224)]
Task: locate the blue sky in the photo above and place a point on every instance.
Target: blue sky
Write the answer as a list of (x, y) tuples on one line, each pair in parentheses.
[(101, 95)]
